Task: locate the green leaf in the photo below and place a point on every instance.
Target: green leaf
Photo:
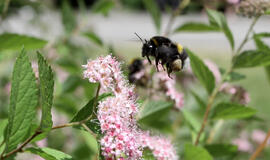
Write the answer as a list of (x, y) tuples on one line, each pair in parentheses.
[(221, 150), (202, 72), (3, 125), (252, 58), (191, 120), (23, 102), (94, 38), (14, 42), (263, 34), (217, 19), (232, 111), (103, 6), (196, 153), (68, 17), (196, 27), (147, 154), (199, 100), (233, 76), (87, 111), (260, 44), (154, 110), (153, 9), (46, 84), (49, 153)]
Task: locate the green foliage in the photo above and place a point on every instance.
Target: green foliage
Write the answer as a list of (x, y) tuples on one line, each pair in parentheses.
[(217, 19), (147, 154), (196, 27), (222, 150), (252, 58), (199, 100), (46, 84), (154, 114), (49, 153), (233, 76), (232, 111), (196, 153), (153, 9), (191, 120), (103, 6), (94, 38), (202, 72), (14, 42), (23, 102), (89, 110), (68, 17)]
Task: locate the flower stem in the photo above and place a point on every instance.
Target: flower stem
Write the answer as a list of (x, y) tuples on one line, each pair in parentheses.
[(176, 12), (260, 147), (247, 35)]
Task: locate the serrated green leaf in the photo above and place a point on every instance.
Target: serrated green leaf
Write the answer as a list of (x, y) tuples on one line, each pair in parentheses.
[(14, 42), (147, 154), (217, 19), (154, 11), (94, 38), (252, 58), (103, 6), (87, 111), (23, 102), (202, 72), (68, 17), (221, 150), (3, 125), (46, 83), (232, 111), (49, 153), (196, 153), (196, 27)]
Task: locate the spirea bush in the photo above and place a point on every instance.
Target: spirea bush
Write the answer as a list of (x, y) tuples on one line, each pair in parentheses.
[(64, 106)]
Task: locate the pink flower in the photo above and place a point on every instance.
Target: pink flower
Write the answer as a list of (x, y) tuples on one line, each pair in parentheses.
[(170, 90), (258, 136), (116, 115), (161, 147), (243, 144), (233, 1)]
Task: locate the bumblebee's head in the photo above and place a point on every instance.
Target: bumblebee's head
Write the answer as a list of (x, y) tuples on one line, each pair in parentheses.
[(147, 47), (177, 65)]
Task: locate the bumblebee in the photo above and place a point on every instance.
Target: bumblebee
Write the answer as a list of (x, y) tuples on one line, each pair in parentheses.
[(165, 52), (135, 66)]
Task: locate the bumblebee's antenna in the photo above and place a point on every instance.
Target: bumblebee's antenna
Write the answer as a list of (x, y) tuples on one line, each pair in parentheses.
[(138, 37)]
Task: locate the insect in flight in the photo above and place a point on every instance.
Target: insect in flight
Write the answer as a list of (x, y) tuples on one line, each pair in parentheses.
[(165, 52)]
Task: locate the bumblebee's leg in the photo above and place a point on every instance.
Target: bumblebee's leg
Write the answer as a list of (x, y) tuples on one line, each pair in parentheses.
[(157, 60), (169, 70), (148, 59)]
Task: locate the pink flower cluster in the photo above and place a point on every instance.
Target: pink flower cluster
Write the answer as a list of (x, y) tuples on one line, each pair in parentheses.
[(122, 137), (161, 147), (169, 86)]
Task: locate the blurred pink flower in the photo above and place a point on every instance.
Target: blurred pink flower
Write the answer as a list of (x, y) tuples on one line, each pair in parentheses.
[(214, 69), (169, 85), (258, 136), (161, 147), (233, 1), (242, 143)]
